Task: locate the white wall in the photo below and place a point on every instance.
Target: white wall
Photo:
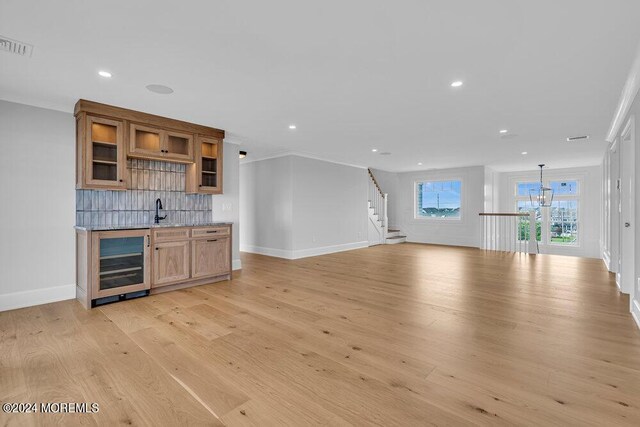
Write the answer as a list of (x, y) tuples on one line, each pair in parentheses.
[(589, 209), (266, 207), (37, 190), (611, 243), (329, 206), (225, 207), (294, 206), (463, 232)]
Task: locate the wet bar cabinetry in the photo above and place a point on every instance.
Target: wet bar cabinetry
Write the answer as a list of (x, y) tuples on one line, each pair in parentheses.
[(108, 135), (114, 265)]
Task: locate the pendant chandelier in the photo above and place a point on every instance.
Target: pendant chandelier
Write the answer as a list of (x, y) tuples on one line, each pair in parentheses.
[(541, 197)]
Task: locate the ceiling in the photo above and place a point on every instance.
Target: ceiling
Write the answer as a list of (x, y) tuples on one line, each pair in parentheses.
[(351, 75)]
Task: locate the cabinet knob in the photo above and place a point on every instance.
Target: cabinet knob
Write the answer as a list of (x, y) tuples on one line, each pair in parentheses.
[(156, 249), (121, 180), (200, 185)]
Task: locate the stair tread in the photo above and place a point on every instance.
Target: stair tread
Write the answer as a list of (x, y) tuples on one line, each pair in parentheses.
[(397, 237), (393, 230)]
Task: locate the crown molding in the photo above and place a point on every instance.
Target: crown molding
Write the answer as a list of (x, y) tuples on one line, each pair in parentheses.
[(629, 93), (301, 154)]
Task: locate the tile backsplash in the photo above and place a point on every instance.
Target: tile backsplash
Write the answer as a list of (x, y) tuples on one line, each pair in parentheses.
[(147, 180)]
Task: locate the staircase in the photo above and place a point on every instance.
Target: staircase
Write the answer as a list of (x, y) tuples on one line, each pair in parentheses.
[(379, 232)]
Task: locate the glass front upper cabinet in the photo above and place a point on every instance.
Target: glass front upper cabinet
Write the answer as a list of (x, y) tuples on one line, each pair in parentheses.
[(104, 154), (209, 168), (154, 143)]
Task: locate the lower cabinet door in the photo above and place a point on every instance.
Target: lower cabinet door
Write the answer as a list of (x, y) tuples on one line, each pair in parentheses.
[(210, 257), (171, 263)]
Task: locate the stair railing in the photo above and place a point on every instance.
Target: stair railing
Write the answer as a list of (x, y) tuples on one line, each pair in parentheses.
[(509, 232), (378, 200)]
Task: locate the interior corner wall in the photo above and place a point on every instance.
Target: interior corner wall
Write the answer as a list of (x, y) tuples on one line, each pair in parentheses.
[(329, 207), (589, 209), (293, 207), (266, 207), (462, 232), (225, 207), (37, 189)]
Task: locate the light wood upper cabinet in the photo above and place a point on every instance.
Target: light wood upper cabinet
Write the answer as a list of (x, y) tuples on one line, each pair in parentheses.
[(171, 263), (107, 135), (205, 175), (101, 158), (179, 145), (210, 257), (147, 142)]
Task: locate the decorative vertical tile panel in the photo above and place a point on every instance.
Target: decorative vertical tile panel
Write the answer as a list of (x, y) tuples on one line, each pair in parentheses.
[(147, 181)]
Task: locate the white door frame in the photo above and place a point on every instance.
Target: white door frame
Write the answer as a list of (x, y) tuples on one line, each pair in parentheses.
[(614, 210), (627, 211)]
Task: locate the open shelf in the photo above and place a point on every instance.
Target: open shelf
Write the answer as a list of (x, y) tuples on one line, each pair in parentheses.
[(104, 142), (105, 162)]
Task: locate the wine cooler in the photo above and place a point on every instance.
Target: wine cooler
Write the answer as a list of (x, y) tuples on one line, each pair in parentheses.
[(121, 260)]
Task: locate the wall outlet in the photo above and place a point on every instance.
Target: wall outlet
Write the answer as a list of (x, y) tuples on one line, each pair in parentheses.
[(313, 239), (227, 207)]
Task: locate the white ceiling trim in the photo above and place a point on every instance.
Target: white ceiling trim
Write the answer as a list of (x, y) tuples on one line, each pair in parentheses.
[(629, 93), (299, 154)]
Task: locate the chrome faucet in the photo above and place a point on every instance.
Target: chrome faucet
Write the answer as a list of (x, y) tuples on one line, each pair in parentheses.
[(158, 207)]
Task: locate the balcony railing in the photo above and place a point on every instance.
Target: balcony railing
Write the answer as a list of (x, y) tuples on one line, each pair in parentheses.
[(509, 232)]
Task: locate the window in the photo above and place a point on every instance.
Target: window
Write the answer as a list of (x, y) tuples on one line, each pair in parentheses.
[(558, 224), (438, 199)]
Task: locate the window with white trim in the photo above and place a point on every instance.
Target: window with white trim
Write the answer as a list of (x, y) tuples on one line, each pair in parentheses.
[(438, 199), (557, 224)]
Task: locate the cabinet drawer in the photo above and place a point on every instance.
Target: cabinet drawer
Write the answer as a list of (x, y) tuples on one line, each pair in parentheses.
[(209, 232), (170, 234)]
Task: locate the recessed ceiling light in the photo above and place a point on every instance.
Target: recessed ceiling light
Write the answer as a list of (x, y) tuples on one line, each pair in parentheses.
[(374, 149), (106, 74), (419, 163), (524, 153), (292, 127), (503, 131), (160, 89), (457, 83)]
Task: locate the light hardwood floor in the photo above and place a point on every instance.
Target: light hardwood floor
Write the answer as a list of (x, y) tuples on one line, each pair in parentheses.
[(390, 335)]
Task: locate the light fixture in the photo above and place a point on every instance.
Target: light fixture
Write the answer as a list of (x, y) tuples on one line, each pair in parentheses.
[(503, 131), (419, 163), (242, 154), (457, 83), (374, 149), (292, 127), (524, 153), (105, 74), (160, 89), (541, 197)]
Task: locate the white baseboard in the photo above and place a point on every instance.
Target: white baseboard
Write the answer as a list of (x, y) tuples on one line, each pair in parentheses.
[(278, 253), (237, 264), (303, 253), (37, 297), (635, 312), (606, 257)]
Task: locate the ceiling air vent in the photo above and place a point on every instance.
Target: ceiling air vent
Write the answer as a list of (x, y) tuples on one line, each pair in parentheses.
[(577, 138), (14, 46)]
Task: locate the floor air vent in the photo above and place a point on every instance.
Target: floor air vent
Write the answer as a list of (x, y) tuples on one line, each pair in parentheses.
[(14, 46)]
